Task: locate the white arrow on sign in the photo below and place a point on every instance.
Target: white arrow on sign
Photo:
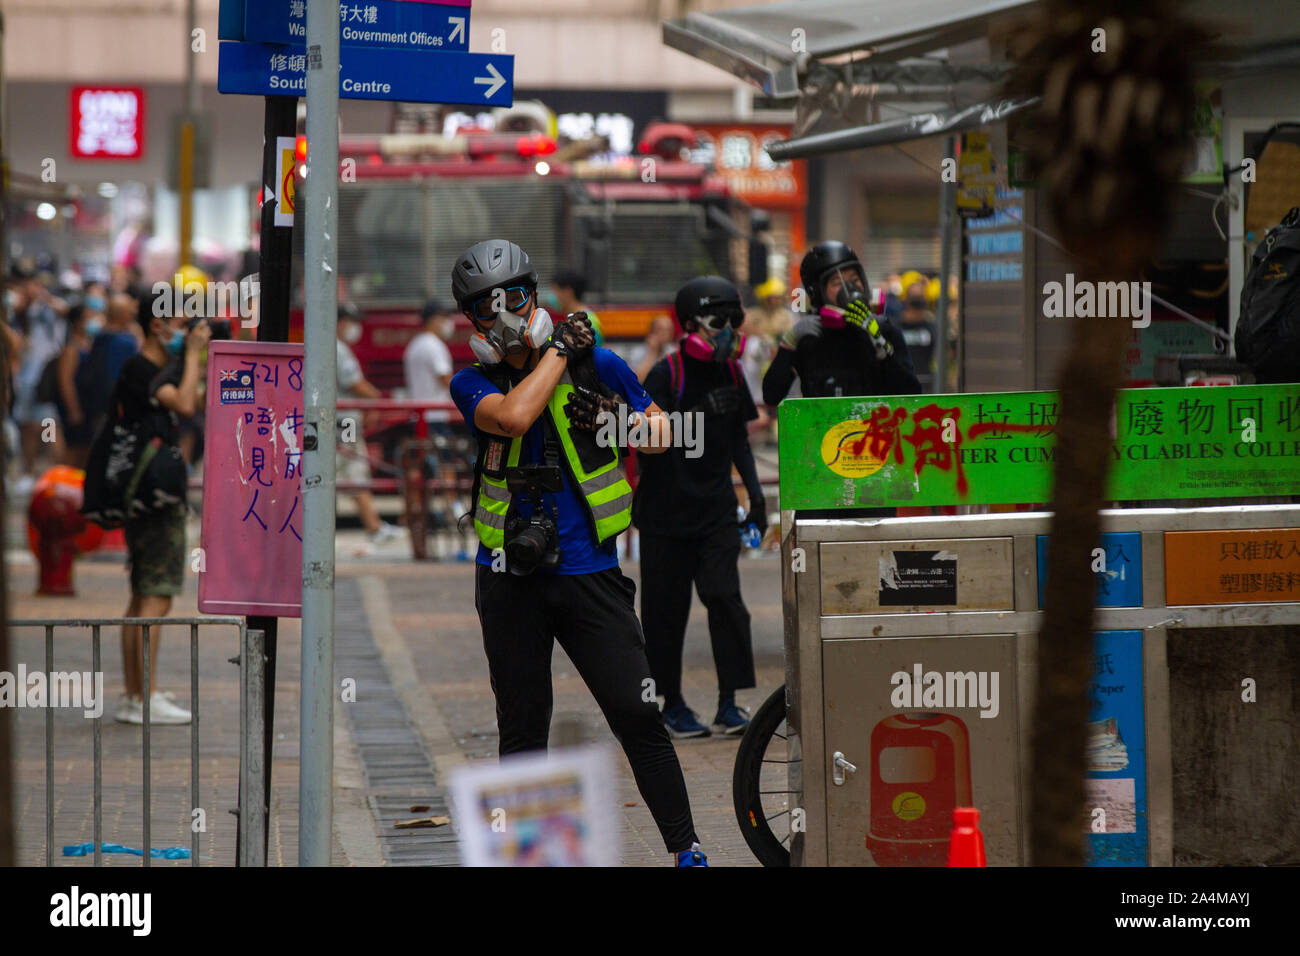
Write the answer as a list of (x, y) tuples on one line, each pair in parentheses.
[(495, 81), (459, 28)]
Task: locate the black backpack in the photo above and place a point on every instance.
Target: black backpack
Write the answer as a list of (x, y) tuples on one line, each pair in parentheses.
[(47, 387), (131, 471), (1268, 327)]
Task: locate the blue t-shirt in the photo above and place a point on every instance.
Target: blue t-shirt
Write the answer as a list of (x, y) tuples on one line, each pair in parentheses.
[(579, 553)]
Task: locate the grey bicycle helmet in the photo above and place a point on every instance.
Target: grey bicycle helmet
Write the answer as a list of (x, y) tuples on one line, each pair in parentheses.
[(488, 265)]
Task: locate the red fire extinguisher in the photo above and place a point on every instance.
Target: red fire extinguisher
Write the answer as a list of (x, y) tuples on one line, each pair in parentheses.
[(920, 772)]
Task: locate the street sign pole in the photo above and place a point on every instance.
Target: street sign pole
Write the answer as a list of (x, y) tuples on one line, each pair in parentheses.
[(275, 267), (316, 742)]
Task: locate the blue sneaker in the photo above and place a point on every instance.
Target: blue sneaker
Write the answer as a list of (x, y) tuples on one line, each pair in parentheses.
[(692, 857), (682, 722), (731, 720)]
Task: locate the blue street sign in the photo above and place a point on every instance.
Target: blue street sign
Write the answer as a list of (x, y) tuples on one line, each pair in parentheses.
[(372, 73), (230, 20), (384, 23)]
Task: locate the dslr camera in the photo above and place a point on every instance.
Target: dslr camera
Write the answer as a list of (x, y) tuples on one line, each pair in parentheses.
[(532, 542), (220, 327)]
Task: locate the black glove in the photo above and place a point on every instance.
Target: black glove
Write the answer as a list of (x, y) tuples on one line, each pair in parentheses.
[(585, 407), (720, 401), (757, 514), (574, 337)]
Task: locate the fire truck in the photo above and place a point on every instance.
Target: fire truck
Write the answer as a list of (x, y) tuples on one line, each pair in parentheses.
[(637, 226)]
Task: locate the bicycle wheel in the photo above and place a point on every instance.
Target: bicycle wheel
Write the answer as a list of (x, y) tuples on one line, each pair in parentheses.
[(760, 785)]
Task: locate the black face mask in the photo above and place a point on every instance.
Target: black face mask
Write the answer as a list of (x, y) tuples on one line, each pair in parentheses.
[(848, 294)]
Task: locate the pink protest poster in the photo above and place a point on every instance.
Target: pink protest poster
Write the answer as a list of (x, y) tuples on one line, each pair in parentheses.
[(252, 507)]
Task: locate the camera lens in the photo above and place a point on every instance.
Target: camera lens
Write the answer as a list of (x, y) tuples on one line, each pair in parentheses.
[(524, 552)]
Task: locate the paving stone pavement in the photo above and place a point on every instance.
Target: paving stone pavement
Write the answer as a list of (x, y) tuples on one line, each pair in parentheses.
[(423, 645)]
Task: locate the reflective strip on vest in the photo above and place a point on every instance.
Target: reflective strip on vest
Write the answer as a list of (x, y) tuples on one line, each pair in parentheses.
[(493, 503)]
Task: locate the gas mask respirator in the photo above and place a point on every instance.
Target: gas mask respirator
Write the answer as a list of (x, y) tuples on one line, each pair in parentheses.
[(727, 341), (511, 334)]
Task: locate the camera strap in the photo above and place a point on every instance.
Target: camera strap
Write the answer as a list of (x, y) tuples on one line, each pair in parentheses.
[(550, 442)]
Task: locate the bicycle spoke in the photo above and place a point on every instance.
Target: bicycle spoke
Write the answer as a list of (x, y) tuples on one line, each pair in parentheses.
[(784, 838), (775, 815), (776, 761), (772, 792)]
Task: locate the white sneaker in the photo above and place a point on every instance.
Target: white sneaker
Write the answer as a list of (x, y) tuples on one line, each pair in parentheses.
[(386, 532), (163, 709), (130, 710)]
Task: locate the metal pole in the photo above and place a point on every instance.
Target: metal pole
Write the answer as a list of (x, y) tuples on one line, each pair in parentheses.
[(49, 752), (947, 204), (194, 741), (95, 667), (316, 746), (275, 266), (146, 693), (8, 855), (185, 154), (252, 769)]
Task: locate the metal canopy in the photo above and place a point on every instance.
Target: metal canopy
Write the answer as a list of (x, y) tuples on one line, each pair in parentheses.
[(764, 45), (899, 130)]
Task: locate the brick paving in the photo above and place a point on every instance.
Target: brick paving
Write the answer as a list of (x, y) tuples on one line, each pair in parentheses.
[(431, 651)]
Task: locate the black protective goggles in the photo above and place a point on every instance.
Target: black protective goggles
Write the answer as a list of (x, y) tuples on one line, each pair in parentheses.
[(511, 299), (721, 318)]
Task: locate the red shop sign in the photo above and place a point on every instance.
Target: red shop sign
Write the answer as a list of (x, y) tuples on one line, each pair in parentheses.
[(106, 122)]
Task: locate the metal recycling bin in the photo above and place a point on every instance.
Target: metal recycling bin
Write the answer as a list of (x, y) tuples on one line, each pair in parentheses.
[(911, 641)]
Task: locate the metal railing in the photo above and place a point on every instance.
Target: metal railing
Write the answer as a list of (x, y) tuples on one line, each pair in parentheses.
[(251, 660)]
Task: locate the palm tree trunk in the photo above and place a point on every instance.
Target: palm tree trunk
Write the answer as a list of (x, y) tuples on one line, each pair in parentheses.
[(1090, 378)]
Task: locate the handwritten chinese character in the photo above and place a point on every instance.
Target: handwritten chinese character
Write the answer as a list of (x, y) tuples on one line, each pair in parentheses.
[(259, 462), (286, 524), (251, 511), (880, 436), (930, 447)]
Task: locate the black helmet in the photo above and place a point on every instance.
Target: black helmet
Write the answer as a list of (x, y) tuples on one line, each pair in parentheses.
[(707, 295), (487, 265), (819, 262)]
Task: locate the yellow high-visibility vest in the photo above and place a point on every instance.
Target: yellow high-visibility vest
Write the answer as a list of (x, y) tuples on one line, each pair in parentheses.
[(599, 474)]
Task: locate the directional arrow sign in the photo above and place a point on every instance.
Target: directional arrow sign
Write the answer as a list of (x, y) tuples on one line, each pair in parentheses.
[(384, 23), (372, 73)]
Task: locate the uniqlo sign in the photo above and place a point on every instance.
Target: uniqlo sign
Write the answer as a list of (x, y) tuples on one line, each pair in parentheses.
[(106, 122)]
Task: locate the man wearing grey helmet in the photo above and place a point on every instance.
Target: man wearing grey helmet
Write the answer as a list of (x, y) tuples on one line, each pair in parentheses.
[(549, 501)]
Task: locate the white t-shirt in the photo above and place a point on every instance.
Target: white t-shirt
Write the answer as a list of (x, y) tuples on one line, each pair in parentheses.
[(426, 360), (349, 369)]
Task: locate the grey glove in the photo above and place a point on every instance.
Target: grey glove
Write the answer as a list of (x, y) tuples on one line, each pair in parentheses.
[(807, 326)]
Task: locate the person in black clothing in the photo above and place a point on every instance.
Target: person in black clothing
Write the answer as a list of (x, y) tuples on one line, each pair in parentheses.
[(685, 507), (840, 348), (156, 386)]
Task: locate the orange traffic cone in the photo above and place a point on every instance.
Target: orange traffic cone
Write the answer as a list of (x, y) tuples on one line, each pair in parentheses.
[(967, 845)]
